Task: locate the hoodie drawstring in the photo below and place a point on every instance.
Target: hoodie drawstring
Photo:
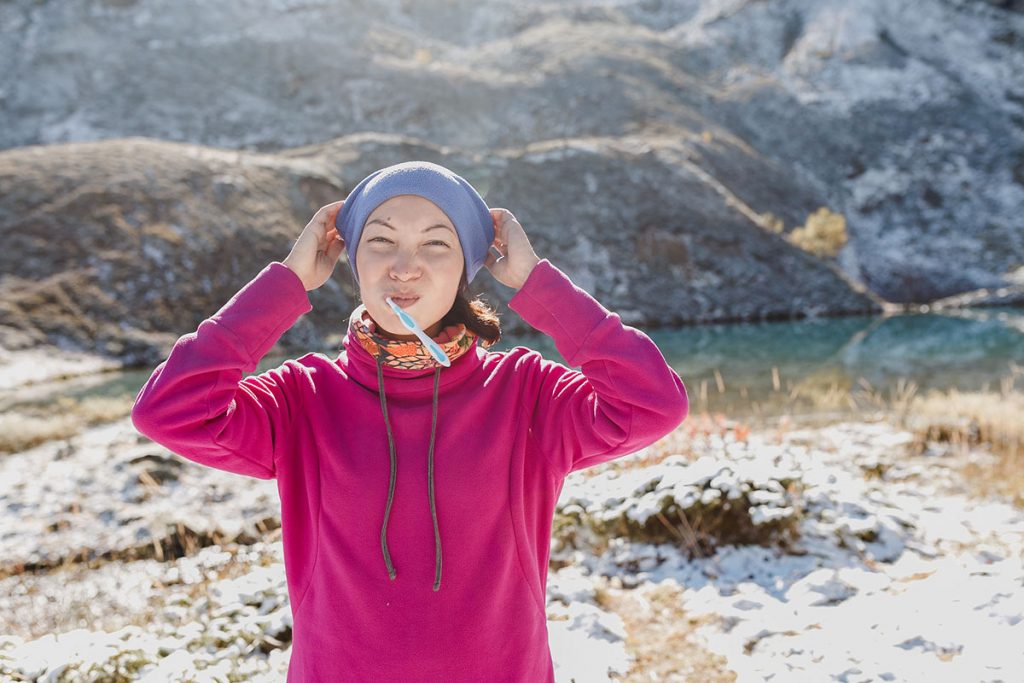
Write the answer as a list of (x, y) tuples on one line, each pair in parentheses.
[(394, 465)]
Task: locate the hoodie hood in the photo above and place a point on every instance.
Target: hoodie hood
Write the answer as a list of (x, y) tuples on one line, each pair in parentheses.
[(399, 367)]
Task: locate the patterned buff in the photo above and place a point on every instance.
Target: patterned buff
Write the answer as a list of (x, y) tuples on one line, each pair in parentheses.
[(411, 355)]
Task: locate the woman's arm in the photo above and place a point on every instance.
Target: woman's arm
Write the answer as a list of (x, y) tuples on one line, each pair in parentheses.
[(625, 397), (197, 404)]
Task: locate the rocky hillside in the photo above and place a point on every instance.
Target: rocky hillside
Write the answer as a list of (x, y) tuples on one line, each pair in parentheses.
[(669, 155), (121, 246)]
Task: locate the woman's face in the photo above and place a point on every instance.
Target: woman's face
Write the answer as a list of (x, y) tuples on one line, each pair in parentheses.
[(409, 246)]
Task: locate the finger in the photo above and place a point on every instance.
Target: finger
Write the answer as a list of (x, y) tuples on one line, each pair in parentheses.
[(334, 208), (324, 222), (327, 211), (335, 249)]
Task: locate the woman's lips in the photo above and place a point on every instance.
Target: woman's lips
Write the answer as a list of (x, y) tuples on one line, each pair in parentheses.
[(405, 301)]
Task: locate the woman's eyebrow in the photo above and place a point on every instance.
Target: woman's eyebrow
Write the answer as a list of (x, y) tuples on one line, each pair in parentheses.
[(437, 225)]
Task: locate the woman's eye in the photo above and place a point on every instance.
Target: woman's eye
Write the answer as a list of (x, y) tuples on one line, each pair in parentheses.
[(385, 239)]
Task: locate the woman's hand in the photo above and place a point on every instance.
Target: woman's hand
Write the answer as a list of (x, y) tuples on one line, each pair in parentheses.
[(318, 248), (517, 255)]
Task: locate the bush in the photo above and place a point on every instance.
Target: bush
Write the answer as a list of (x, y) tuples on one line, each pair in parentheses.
[(823, 235), (695, 505)]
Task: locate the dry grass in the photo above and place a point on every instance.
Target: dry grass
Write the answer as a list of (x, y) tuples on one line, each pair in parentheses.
[(79, 613), (828, 393), (173, 543), (992, 421), (988, 420), (30, 425), (662, 638)]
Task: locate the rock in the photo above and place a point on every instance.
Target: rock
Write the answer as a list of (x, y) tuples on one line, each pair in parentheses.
[(126, 265), (701, 122)]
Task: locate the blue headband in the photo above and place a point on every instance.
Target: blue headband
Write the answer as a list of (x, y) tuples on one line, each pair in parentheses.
[(450, 192)]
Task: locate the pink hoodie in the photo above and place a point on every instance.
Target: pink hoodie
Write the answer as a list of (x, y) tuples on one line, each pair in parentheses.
[(509, 427)]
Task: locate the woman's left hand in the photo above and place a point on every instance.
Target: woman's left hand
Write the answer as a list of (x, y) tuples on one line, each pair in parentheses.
[(517, 255)]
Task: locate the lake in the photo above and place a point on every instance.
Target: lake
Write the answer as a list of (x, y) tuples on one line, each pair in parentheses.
[(746, 370), (775, 367)]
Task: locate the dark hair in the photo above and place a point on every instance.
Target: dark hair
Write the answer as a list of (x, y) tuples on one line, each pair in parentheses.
[(476, 314)]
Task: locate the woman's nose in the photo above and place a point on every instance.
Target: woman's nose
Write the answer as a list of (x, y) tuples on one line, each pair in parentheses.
[(404, 264)]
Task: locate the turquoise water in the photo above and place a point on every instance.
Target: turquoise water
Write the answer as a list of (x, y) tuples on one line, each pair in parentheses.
[(778, 366), (775, 367)]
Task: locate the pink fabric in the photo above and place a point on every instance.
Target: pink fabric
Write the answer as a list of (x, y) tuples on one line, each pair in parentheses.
[(511, 425)]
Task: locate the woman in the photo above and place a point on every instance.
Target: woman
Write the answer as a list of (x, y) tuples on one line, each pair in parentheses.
[(385, 457)]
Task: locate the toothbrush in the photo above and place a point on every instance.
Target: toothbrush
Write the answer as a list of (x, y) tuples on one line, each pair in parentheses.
[(439, 355)]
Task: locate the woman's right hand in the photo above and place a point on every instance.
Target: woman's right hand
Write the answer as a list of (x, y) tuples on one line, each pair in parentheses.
[(318, 248)]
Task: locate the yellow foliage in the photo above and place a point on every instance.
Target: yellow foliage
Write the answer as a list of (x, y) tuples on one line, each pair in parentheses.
[(823, 235)]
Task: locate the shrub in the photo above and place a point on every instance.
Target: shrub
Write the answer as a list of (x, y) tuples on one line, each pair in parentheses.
[(696, 505), (823, 235)]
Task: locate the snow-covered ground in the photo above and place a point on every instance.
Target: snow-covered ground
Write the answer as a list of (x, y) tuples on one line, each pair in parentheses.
[(200, 618), (29, 366), (902, 577), (896, 574), (203, 628)]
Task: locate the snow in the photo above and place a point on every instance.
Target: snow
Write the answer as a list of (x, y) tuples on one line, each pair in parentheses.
[(42, 363), (896, 574), (206, 638), (903, 577), (587, 643)]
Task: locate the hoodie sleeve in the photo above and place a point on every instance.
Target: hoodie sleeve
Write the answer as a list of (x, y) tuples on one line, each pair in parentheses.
[(625, 397), (197, 404)]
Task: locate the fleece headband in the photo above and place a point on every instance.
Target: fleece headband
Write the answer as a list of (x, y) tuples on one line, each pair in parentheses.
[(450, 192)]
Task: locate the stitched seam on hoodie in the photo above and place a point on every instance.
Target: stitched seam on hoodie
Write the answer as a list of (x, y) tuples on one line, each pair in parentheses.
[(512, 517), (586, 339), (608, 379), (632, 409), (277, 331), (553, 317), (629, 431), (549, 467), (319, 517)]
